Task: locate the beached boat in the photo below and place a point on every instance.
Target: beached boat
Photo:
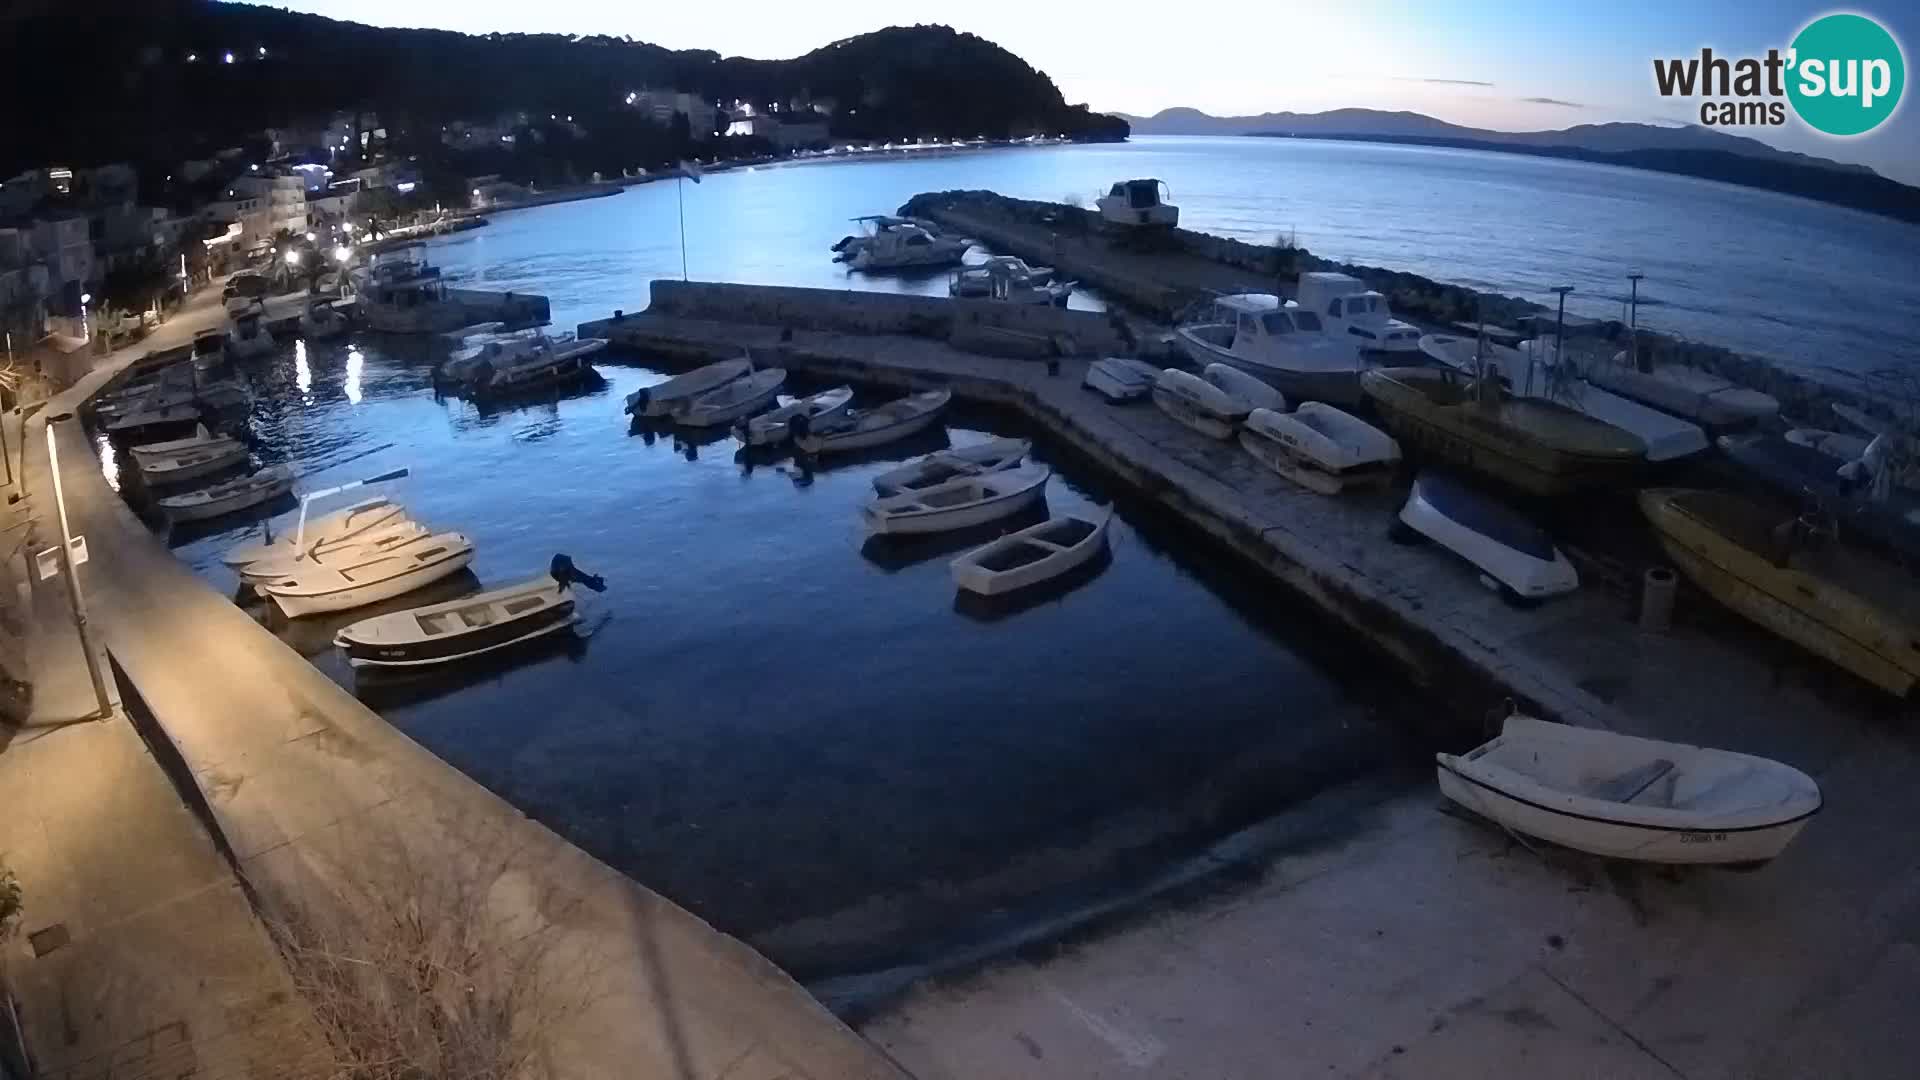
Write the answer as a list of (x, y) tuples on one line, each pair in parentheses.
[(1320, 448), (340, 526), (148, 425), (858, 429), (1625, 797), (1536, 446), (662, 398), (1889, 518), (937, 468), (771, 428), (960, 503), (1348, 309), (397, 533), (247, 335), (216, 500), (1032, 555), (740, 398), (470, 626), (1198, 403), (1121, 378), (1137, 204), (1244, 388), (343, 586), (1689, 393), (1281, 344), (1756, 558), (322, 321), (187, 459), (1512, 552)]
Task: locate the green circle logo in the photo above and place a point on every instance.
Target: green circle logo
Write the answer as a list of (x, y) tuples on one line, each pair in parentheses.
[(1846, 74)]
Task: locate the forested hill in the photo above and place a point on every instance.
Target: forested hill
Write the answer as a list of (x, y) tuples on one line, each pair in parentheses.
[(88, 81)]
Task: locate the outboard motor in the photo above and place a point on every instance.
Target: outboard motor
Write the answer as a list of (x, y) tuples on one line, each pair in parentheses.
[(564, 572)]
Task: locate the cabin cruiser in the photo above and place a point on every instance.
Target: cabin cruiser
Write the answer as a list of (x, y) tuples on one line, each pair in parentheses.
[(520, 362), (1348, 308), (400, 292), (1010, 281), (1138, 204), (247, 335), (893, 244), (1282, 344)]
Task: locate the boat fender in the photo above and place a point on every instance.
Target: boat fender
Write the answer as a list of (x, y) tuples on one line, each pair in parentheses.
[(564, 572)]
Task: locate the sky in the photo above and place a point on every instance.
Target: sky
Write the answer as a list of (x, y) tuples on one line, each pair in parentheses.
[(1518, 65)]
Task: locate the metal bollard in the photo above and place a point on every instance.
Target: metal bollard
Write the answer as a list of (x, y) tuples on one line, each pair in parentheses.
[(1656, 599)]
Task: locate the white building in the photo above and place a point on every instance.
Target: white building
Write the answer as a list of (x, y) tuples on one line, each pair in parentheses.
[(263, 206)]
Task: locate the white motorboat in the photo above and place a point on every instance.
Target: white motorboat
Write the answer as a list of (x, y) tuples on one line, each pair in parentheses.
[(664, 397), (145, 422), (342, 586), (1320, 448), (1009, 281), (1515, 555), (322, 321), (937, 468), (1689, 393), (770, 428), (1348, 309), (960, 503), (401, 292), (1625, 797), (470, 626), (396, 533), (216, 500), (979, 286), (1283, 345), (520, 363), (1198, 403), (341, 526), (1032, 555), (247, 335), (187, 459), (902, 245), (849, 246), (733, 401), (859, 429), (1244, 388), (1120, 378), (1138, 204)]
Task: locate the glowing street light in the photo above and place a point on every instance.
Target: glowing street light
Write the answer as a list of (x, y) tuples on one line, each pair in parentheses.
[(293, 258), (86, 298), (342, 254), (310, 238), (228, 58), (347, 227)]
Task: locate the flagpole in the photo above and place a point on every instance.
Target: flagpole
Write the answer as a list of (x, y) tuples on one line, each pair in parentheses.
[(680, 191)]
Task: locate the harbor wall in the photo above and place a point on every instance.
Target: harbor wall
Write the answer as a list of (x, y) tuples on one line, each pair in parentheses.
[(514, 309)]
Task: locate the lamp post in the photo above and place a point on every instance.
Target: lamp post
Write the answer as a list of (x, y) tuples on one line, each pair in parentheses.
[(1633, 320), (74, 598), (1560, 325)]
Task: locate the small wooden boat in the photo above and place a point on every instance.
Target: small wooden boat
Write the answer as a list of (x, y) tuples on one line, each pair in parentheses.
[(958, 503), (740, 398), (1624, 797), (1244, 388), (937, 468), (187, 459), (1838, 604), (396, 533), (1198, 404), (1035, 554), (347, 585), (771, 428), (1513, 552), (141, 424), (1320, 448), (147, 398), (663, 398), (340, 526), (1120, 378), (470, 626), (1536, 446), (230, 497), (858, 430), (1688, 393)]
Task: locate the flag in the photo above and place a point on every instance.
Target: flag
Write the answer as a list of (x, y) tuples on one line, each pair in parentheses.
[(690, 170)]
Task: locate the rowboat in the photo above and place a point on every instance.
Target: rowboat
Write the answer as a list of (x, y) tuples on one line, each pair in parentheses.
[(958, 503), (937, 468), (343, 586), (1244, 388), (141, 423), (738, 398), (1120, 378), (187, 459), (1625, 797), (857, 430), (470, 626), (1835, 603), (770, 428), (1320, 448), (1515, 554), (396, 533), (341, 526), (663, 398), (230, 497), (1032, 555), (1198, 404)]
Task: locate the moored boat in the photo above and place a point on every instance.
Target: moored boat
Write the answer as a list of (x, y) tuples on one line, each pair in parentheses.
[(1512, 552), (1198, 404), (937, 468), (740, 398), (247, 335), (340, 526), (860, 429), (1120, 378), (344, 586), (322, 321), (1349, 310), (1320, 448), (217, 500), (664, 397), (958, 503), (187, 459), (520, 363), (773, 427), (147, 424), (470, 626), (396, 533), (1032, 555)]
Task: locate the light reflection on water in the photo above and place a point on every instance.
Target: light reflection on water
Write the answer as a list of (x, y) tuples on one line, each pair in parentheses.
[(355, 362), (302, 372), (109, 460)]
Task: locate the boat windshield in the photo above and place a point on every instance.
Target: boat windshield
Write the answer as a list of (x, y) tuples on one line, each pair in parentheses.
[(1276, 323), (1143, 193), (1307, 321)]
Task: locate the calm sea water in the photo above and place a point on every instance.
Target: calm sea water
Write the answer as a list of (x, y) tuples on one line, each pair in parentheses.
[(1814, 286)]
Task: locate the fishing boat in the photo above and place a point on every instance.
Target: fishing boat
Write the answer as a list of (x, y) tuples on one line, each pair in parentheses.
[(1120, 378), (937, 468), (1008, 280), (1515, 555), (771, 428), (859, 429), (187, 459), (740, 398), (1625, 797), (247, 335), (519, 363), (322, 321), (1320, 448), (1535, 446), (470, 626), (1689, 393), (396, 533), (1137, 204), (1198, 403), (1281, 344), (663, 398), (217, 500), (960, 503), (1032, 555), (149, 424), (1348, 309), (343, 586), (340, 526), (1761, 561), (1244, 388)]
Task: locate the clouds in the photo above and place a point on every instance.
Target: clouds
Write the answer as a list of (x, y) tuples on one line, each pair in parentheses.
[(1440, 82), (1552, 101)]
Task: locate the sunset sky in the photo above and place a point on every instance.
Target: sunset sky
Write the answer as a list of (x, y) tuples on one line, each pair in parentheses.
[(1513, 66)]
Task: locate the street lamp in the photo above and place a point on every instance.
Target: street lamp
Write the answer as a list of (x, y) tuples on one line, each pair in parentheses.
[(74, 599), (342, 254), (293, 257), (310, 238)]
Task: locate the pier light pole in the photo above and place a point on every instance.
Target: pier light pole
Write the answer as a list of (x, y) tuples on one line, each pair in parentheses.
[(1560, 325), (74, 598), (1633, 317)]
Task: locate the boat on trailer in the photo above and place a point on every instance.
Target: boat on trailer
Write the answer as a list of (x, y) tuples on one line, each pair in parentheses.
[(470, 626), (1032, 555), (1198, 404), (663, 398), (233, 496), (860, 429), (1320, 447), (343, 586), (1120, 378), (1512, 553), (959, 503), (774, 427), (937, 468)]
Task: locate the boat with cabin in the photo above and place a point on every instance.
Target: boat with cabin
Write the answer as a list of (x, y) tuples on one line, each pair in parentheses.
[(322, 321), (894, 244), (1008, 280), (1279, 343), (402, 292), (247, 336), (1348, 308), (1138, 204)]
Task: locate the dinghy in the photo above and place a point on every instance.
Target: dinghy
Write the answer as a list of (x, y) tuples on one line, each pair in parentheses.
[(1320, 448), (663, 398), (440, 633), (772, 428), (739, 398), (347, 585), (1623, 797), (1244, 388), (1035, 554), (1686, 392), (937, 468), (394, 534), (958, 503), (235, 495), (341, 526), (187, 459), (1513, 553), (1198, 404), (1120, 378), (858, 430)]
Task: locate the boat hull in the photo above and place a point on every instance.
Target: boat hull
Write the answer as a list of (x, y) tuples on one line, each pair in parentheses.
[(340, 526), (363, 654), (1335, 387), (1308, 471), (1531, 575), (294, 605), (165, 472), (860, 439), (698, 415)]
